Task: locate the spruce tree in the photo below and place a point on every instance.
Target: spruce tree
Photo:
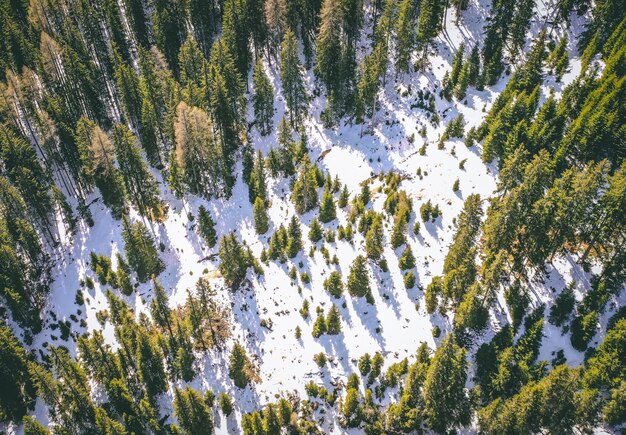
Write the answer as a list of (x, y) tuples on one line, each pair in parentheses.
[(18, 391), (316, 231), (261, 221), (240, 368), (319, 327), (405, 37), (234, 261), (333, 321), (293, 80), (304, 194), (407, 260), (333, 284), (263, 100), (294, 241), (140, 249), (374, 239), (358, 280), (206, 226), (327, 207), (446, 403), (141, 186), (194, 416)]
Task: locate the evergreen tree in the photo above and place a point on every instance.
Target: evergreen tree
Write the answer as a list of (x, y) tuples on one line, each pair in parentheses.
[(304, 194), (333, 321), (150, 365), (140, 250), (316, 231), (446, 403), (319, 327), (374, 239), (141, 187), (18, 392), (263, 100), (234, 261), (294, 241), (169, 28), (194, 416), (343, 197), (206, 226), (333, 284), (327, 207), (240, 369), (358, 280), (261, 221), (407, 260), (293, 80), (405, 37)]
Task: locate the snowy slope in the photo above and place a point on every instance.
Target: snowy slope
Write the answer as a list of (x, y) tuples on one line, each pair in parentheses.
[(398, 322)]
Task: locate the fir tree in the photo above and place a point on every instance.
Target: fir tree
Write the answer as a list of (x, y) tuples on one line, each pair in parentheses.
[(292, 78), (263, 100), (304, 194), (206, 226), (194, 416), (327, 207), (240, 368), (261, 221), (18, 391), (445, 400), (333, 321), (343, 197), (319, 327), (358, 280), (316, 231), (294, 241), (333, 284), (407, 260), (140, 250), (150, 365), (234, 261), (140, 185), (374, 240)]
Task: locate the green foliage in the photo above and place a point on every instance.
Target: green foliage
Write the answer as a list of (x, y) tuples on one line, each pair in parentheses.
[(240, 368), (261, 220), (194, 416), (334, 284), (140, 250), (206, 226), (358, 280)]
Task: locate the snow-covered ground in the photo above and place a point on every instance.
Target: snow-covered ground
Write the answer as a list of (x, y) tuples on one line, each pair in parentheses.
[(398, 322)]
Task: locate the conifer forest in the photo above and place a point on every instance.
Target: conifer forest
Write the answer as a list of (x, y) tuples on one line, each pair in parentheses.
[(269, 217)]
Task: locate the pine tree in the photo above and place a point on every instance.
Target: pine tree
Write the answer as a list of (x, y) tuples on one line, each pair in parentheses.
[(319, 327), (160, 310), (405, 37), (169, 29), (344, 196), (333, 321), (206, 226), (294, 241), (150, 365), (327, 207), (193, 73), (234, 261), (374, 239), (333, 284), (18, 391), (140, 250), (257, 187), (473, 72), (293, 80), (304, 194), (407, 260), (429, 21), (263, 100), (240, 368), (33, 427), (261, 221), (446, 404), (140, 185), (316, 231), (236, 33), (194, 416), (358, 280)]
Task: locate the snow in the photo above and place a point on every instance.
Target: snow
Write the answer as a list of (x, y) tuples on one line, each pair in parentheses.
[(398, 322)]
